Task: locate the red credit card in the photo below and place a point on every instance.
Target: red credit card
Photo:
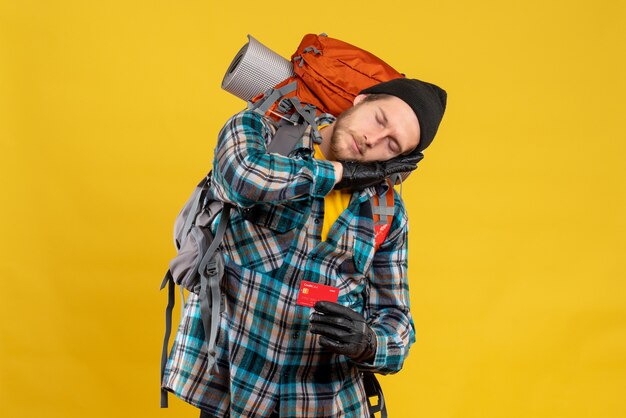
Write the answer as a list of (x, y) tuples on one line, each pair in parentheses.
[(310, 293)]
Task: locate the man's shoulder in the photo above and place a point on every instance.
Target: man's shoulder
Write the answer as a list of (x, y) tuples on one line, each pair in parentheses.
[(250, 119), (247, 115)]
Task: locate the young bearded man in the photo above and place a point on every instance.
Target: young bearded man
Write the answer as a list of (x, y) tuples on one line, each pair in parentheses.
[(307, 218)]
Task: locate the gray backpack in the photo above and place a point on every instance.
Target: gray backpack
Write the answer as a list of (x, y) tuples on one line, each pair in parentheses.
[(199, 264)]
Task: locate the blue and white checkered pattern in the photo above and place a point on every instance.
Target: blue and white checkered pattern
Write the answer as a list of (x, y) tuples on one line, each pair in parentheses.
[(266, 355)]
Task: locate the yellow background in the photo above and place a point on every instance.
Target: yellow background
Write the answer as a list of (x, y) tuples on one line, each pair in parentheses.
[(108, 116)]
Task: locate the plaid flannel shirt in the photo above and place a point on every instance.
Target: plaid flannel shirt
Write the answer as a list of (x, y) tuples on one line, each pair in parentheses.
[(266, 356)]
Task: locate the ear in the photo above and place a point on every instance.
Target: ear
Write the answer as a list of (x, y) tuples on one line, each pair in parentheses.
[(358, 99)]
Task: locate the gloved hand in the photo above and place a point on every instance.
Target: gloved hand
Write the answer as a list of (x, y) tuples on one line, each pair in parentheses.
[(357, 176), (343, 331)]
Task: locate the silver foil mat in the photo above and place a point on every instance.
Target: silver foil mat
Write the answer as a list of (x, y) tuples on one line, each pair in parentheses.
[(254, 70)]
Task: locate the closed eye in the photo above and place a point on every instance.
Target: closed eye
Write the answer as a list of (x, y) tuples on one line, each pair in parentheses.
[(381, 117), (393, 145)]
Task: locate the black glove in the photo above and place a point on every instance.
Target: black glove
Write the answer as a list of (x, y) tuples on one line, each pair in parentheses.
[(343, 331), (357, 176)]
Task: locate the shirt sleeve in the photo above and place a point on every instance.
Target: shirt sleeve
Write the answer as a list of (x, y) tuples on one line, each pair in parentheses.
[(387, 306), (244, 173)]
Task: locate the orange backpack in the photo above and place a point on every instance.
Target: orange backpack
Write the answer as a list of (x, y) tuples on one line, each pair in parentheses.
[(329, 74)]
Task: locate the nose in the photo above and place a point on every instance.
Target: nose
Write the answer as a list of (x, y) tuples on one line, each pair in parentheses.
[(372, 139)]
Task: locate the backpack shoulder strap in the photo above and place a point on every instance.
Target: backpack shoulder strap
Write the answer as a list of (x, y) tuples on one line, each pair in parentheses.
[(286, 138), (383, 211), (374, 390)]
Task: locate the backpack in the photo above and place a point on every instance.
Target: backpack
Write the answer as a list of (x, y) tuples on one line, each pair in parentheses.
[(328, 75)]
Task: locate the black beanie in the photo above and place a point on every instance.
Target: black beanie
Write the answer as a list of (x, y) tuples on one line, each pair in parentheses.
[(427, 101)]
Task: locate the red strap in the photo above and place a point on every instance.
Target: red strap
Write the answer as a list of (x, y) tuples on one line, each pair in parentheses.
[(381, 229)]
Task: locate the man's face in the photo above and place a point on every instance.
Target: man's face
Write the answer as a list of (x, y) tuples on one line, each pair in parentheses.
[(375, 130)]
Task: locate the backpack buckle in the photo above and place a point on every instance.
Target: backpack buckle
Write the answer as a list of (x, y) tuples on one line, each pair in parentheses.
[(284, 105), (211, 268), (215, 266)]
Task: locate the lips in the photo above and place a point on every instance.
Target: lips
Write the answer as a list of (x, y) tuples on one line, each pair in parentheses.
[(356, 146)]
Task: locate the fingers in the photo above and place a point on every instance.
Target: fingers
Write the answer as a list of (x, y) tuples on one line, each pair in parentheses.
[(337, 334), (331, 321), (332, 345), (401, 169), (338, 347), (415, 158), (405, 163), (335, 309), (400, 166)]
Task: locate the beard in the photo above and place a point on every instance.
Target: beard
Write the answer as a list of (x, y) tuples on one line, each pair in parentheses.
[(341, 141)]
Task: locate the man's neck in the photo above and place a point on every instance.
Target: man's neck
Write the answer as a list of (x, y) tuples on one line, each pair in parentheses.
[(326, 133)]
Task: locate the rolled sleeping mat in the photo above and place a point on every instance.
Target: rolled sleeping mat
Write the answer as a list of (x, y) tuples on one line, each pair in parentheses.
[(254, 70)]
